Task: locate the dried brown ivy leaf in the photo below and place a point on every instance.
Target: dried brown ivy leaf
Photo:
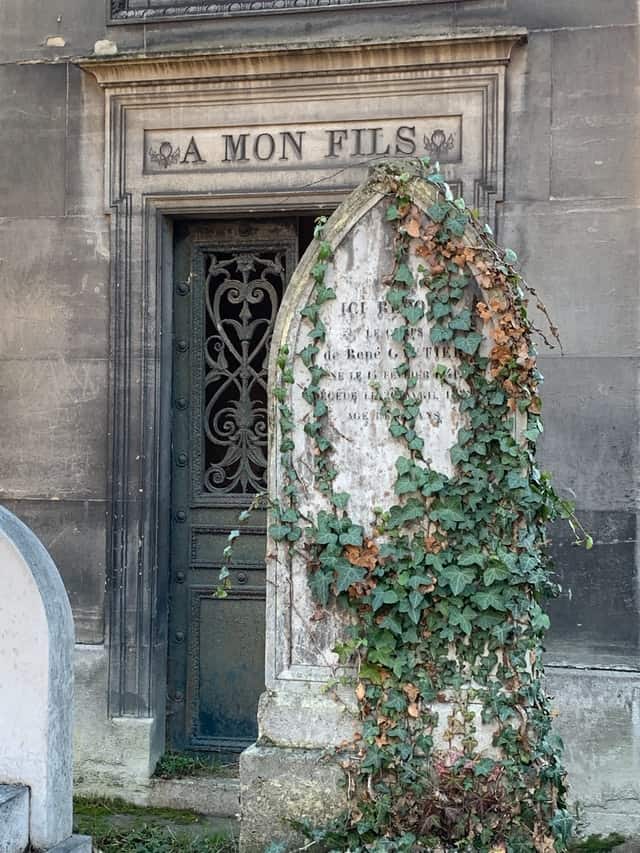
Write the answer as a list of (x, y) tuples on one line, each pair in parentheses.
[(411, 692), (365, 556), (412, 228)]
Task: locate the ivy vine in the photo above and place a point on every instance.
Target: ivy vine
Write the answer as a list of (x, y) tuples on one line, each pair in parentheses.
[(445, 594)]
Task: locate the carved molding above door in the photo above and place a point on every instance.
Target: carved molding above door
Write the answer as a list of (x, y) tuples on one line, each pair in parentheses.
[(139, 11)]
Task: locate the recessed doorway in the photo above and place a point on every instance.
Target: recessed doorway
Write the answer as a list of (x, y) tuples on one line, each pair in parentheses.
[(229, 279)]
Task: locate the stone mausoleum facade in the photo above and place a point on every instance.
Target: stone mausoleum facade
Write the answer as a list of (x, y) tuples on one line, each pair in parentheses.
[(153, 151)]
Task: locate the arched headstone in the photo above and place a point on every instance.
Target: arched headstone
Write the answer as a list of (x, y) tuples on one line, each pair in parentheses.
[(394, 328), (36, 681), (358, 356)]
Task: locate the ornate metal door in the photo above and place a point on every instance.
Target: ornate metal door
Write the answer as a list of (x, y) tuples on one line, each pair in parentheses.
[(229, 281)]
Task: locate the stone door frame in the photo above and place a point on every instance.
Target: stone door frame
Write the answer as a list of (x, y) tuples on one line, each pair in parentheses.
[(152, 476), (161, 90)]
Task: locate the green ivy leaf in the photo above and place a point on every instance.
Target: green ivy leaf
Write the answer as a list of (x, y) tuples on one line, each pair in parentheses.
[(457, 578), (324, 294), (294, 534), (534, 431), (484, 767), (392, 624), (340, 499), (448, 515), (320, 585), (462, 618), (464, 436), (404, 275), (391, 596), (515, 480), (395, 297), (369, 672), (397, 429), (494, 572), (318, 271), (326, 537), (438, 211), (485, 600), (458, 454), (316, 374), (311, 312), (415, 598), (468, 343), (405, 485), (461, 321), (400, 515), (562, 824), (319, 331), (347, 574), (324, 250), (421, 580), (381, 595), (413, 313), (439, 334), (353, 536), (440, 309), (279, 531), (472, 558), (457, 223), (404, 465)]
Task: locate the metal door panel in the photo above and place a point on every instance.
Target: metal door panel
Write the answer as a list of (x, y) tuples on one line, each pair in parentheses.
[(229, 280)]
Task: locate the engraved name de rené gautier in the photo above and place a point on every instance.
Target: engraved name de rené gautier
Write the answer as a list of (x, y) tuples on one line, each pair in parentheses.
[(286, 145)]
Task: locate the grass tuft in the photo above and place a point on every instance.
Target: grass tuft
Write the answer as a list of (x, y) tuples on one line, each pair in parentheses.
[(158, 839), (120, 827), (597, 843), (176, 765)]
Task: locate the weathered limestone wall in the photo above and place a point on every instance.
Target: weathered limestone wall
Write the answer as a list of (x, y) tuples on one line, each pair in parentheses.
[(572, 215), (571, 212), (54, 254)]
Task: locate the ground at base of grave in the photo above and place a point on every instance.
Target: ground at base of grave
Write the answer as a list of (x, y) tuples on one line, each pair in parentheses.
[(119, 827)]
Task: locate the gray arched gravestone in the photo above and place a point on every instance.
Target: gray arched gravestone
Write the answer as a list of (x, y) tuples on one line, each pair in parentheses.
[(286, 775), (36, 681)]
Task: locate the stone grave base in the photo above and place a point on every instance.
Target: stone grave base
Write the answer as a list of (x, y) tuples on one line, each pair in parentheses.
[(74, 844), (14, 825), (280, 784)]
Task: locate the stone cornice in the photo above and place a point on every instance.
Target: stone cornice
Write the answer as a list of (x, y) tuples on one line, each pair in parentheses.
[(462, 47), (121, 13)]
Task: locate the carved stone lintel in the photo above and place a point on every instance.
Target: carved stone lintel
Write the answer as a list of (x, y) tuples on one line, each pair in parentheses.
[(122, 10)]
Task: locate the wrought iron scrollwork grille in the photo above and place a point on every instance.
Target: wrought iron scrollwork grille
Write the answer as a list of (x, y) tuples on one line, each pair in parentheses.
[(242, 292)]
